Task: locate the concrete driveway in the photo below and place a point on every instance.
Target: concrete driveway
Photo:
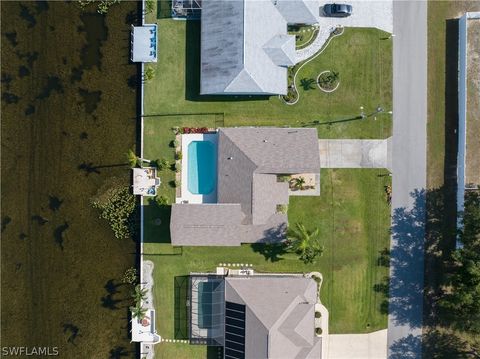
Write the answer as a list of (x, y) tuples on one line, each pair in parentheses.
[(355, 153), (365, 14), (376, 14), (358, 346)]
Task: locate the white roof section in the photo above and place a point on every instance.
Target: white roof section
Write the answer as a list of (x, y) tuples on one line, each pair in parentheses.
[(145, 181), (245, 48), (144, 330), (144, 43)]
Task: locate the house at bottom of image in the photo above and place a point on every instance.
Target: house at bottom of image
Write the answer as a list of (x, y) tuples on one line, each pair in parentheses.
[(255, 315)]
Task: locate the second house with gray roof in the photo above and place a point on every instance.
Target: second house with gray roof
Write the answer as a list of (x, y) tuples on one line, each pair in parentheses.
[(251, 164), (245, 47)]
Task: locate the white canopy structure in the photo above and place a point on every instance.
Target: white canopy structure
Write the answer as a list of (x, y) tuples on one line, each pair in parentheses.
[(144, 330), (144, 43)]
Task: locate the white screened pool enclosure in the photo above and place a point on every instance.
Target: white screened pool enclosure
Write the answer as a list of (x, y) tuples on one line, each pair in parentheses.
[(207, 309)]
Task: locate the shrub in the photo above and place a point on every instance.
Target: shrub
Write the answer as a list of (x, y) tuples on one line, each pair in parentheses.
[(104, 5), (174, 143), (161, 200), (178, 156), (283, 178), (176, 130), (130, 276), (291, 95), (318, 331), (117, 205), (318, 315), (178, 166), (149, 6), (187, 130), (149, 73), (155, 163), (282, 208), (163, 164), (328, 80)]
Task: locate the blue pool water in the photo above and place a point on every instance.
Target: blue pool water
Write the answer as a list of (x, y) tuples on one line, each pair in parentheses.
[(202, 167)]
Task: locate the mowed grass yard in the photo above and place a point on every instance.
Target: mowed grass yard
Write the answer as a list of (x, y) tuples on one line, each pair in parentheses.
[(361, 57), (351, 213), (353, 217)]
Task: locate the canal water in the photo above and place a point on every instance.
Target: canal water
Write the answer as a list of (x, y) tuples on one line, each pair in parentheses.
[(68, 119)]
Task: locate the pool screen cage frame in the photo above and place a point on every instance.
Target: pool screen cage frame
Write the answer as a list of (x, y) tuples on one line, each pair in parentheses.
[(187, 9), (214, 335)]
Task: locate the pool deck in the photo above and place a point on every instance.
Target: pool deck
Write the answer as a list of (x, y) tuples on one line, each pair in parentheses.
[(186, 196)]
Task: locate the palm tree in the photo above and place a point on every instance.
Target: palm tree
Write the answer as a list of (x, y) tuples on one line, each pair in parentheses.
[(138, 312), (305, 243), (134, 160), (139, 294), (299, 182)]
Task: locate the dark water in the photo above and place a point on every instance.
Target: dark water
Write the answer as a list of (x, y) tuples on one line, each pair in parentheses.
[(96, 33), (68, 118)]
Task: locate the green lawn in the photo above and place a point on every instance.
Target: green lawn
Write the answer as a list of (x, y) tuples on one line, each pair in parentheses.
[(353, 218), (351, 213), (362, 59)]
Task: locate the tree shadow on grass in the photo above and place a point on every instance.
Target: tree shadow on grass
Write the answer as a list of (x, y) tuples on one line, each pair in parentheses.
[(272, 245), (157, 223), (272, 252), (181, 286)]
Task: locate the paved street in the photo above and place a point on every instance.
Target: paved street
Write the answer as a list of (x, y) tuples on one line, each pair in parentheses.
[(409, 178)]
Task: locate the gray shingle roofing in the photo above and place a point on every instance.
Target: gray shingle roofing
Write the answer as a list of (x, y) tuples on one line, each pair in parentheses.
[(245, 47), (248, 162), (279, 315)]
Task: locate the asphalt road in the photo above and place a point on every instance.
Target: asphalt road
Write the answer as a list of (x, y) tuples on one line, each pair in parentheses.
[(409, 178)]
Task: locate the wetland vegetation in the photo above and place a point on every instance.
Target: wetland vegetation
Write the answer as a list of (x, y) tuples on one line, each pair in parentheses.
[(69, 117)]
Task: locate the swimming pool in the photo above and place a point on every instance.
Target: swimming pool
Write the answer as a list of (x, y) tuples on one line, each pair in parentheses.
[(202, 167)]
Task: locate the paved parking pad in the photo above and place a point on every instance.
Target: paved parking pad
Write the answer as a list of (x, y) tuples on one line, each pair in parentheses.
[(355, 153), (358, 346)]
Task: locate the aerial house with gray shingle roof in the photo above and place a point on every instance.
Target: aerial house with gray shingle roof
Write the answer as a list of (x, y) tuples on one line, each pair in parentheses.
[(258, 316), (250, 161), (245, 47)]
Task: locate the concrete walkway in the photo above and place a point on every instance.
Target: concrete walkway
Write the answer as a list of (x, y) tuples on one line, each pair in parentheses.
[(358, 346), (355, 153), (409, 179), (147, 349)]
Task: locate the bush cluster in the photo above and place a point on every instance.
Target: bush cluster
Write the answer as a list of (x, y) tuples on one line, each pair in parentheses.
[(117, 206)]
